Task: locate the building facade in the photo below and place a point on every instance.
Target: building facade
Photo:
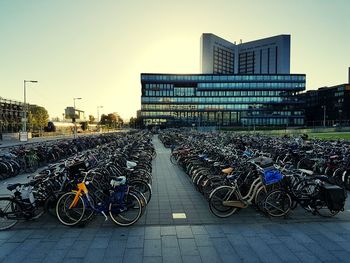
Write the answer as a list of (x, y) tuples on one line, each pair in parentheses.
[(327, 106), (11, 113), (264, 56), (221, 100)]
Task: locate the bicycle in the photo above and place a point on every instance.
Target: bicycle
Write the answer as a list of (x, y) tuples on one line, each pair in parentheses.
[(123, 206), (314, 195), (226, 200), (22, 205)]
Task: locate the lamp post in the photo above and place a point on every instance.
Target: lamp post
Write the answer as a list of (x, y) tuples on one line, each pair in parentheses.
[(75, 122), (25, 108), (324, 115), (254, 107), (98, 115)]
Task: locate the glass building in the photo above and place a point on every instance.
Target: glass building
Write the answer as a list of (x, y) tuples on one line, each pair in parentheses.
[(174, 100)]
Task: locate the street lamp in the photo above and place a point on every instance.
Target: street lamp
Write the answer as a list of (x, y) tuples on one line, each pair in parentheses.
[(324, 115), (25, 108), (75, 122), (253, 113), (98, 115)]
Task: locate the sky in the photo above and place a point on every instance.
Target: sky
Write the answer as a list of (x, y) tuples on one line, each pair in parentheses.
[(96, 49)]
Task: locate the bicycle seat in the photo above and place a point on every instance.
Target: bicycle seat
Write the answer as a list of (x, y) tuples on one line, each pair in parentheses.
[(322, 177), (308, 172), (130, 164), (227, 170), (12, 187)]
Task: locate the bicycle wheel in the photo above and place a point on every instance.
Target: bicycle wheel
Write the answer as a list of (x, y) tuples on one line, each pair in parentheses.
[(173, 159), (128, 213), (142, 187), (216, 206), (259, 198), (8, 213), (142, 199), (70, 216), (277, 203)]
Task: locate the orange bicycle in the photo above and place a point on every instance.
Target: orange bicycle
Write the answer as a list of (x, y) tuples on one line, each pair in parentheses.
[(123, 206)]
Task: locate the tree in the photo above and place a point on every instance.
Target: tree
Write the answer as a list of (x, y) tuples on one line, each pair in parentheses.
[(91, 119), (37, 117), (112, 120)]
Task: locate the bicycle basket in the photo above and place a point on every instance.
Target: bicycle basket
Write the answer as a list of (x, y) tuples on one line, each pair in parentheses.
[(272, 176)]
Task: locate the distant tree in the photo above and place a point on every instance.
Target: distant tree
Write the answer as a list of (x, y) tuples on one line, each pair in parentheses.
[(91, 119), (37, 117), (112, 120)]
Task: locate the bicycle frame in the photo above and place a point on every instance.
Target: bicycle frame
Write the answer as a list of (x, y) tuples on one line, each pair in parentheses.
[(243, 201), (81, 189)]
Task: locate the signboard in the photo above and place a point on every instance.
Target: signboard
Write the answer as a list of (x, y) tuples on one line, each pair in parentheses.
[(23, 136)]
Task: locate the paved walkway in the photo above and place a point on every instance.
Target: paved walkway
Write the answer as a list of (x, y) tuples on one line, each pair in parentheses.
[(245, 237)]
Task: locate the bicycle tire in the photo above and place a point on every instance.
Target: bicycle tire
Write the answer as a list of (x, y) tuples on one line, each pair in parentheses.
[(62, 209), (275, 198), (142, 187), (8, 203), (217, 197), (117, 216), (173, 159)]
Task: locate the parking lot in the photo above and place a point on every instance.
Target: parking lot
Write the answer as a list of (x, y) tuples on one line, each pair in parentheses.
[(199, 236)]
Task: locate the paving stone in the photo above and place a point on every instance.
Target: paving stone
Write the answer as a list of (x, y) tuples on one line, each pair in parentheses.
[(100, 242), (203, 240), (40, 250), (245, 253), (153, 248), (135, 242), (55, 256), (284, 253), (224, 249), (8, 248), (191, 259), (215, 231), (152, 232), (265, 253), (199, 230), (306, 257), (320, 252), (65, 243), (20, 236), (167, 230), (188, 247), (95, 255), (184, 232), (137, 231), (133, 255), (152, 260), (171, 254), (170, 242), (209, 254), (79, 249)]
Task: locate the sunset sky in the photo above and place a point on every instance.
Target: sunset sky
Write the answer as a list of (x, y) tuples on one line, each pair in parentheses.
[(96, 49)]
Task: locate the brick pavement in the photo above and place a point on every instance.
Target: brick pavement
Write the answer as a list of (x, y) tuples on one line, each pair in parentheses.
[(245, 237)]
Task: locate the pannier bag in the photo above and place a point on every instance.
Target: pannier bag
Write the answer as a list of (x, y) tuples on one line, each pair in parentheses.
[(334, 196), (272, 176)]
